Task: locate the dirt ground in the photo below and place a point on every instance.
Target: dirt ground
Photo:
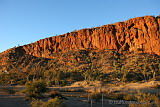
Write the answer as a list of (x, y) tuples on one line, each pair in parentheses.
[(10, 101), (13, 102), (18, 101)]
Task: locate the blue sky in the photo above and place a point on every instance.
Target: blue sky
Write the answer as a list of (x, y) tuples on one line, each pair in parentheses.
[(26, 21)]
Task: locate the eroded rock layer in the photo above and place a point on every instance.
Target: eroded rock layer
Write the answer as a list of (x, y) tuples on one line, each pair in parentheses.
[(137, 34)]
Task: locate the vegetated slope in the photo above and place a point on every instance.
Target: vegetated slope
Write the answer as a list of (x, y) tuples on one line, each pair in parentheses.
[(100, 47)]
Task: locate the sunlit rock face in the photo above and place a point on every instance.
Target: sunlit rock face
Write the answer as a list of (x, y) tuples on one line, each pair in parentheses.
[(134, 35)]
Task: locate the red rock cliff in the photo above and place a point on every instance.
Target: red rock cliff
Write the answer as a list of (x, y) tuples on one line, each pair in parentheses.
[(141, 33)]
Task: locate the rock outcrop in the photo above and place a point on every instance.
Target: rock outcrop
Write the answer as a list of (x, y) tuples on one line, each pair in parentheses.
[(141, 34), (137, 34)]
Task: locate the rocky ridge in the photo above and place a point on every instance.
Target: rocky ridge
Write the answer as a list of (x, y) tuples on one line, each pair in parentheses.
[(132, 44), (137, 34)]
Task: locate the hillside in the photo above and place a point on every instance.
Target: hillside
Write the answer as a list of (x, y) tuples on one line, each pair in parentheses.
[(133, 44)]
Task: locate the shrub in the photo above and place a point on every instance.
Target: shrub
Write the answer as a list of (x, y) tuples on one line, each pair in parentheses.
[(56, 102), (54, 94), (128, 97), (50, 83), (146, 100), (37, 103), (35, 89)]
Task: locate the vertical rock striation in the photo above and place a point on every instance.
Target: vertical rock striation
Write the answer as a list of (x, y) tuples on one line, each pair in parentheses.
[(137, 34)]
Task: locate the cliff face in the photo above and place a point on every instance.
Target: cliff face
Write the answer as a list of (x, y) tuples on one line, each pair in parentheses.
[(142, 33), (137, 34)]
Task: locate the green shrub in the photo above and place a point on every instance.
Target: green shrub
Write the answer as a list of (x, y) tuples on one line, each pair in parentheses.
[(50, 83), (37, 103), (35, 89), (56, 102)]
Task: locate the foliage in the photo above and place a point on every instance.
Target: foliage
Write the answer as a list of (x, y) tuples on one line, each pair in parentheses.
[(139, 97), (78, 65), (35, 89), (56, 102), (37, 103), (91, 73), (54, 94), (146, 100), (142, 99)]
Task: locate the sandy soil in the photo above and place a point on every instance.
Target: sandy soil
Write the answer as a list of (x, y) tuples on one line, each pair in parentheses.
[(12, 101), (82, 102), (18, 101), (148, 87)]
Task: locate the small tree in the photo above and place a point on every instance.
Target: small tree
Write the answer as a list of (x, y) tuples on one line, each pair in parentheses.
[(153, 70), (124, 73), (91, 73), (35, 89), (117, 66)]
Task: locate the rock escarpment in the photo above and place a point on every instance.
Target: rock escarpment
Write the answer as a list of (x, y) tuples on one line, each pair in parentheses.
[(141, 34), (137, 34)]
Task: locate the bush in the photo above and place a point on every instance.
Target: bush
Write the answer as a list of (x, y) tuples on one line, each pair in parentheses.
[(146, 100), (54, 94), (37, 103), (35, 89), (56, 102), (50, 83), (128, 97), (22, 82)]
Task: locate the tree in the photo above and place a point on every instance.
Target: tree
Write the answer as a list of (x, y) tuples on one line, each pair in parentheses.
[(35, 73), (124, 73), (144, 72), (153, 70), (92, 72), (117, 65)]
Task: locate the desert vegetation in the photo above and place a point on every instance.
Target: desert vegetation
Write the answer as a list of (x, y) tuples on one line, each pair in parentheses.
[(84, 68), (91, 65), (56, 102), (35, 90), (85, 65)]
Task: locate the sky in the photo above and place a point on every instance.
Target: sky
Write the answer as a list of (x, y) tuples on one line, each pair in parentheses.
[(26, 21)]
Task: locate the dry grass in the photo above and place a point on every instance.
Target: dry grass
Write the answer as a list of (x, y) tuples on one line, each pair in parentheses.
[(87, 84), (56, 102), (110, 88), (146, 100)]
